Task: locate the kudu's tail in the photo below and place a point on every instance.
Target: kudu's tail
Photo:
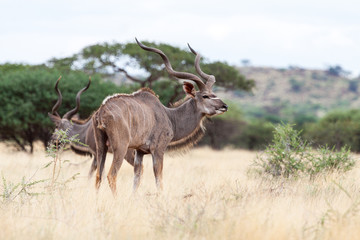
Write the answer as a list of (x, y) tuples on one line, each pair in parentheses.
[(98, 122)]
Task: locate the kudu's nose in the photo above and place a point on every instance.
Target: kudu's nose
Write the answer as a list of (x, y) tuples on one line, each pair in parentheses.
[(225, 106)]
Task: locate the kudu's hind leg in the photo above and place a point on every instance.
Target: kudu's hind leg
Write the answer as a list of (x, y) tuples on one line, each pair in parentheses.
[(120, 145), (93, 167), (101, 150), (129, 157), (119, 154), (138, 169)]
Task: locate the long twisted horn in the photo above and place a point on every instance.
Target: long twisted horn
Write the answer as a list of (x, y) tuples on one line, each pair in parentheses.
[(210, 79), (72, 112), (171, 71), (58, 102)]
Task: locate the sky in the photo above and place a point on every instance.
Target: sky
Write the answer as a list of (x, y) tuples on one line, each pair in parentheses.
[(312, 34)]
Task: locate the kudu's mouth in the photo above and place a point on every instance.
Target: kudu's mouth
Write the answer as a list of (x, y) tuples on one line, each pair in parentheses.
[(222, 110)]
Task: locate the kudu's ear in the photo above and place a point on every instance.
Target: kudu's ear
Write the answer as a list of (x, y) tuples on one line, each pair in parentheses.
[(55, 119), (189, 89)]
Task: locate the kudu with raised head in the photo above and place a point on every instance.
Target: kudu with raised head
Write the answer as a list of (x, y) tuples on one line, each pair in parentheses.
[(141, 122), (83, 129)]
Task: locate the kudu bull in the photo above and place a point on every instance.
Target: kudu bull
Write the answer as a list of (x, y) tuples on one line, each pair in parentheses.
[(83, 129), (141, 122)]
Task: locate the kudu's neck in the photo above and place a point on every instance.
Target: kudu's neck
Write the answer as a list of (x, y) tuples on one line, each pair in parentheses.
[(185, 119), (81, 130)]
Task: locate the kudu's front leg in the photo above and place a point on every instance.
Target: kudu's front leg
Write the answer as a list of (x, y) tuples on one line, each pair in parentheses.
[(158, 157)]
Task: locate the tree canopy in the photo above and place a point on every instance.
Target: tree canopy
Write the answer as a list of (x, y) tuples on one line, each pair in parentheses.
[(145, 68)]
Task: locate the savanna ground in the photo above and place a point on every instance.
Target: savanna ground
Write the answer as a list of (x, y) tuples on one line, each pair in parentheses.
[(207, 195)]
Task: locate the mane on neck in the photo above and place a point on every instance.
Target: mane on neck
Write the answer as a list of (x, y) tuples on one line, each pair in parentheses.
[(141, 90), (185, 144), (81, 121), (180, 102)]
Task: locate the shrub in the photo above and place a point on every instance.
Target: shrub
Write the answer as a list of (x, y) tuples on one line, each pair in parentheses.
[(28, 187), (290, 156), (55, 149), (328, 159), (9, 191)]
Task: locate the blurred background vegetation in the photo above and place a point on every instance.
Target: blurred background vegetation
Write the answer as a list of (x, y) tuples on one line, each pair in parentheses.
[(322, 103)]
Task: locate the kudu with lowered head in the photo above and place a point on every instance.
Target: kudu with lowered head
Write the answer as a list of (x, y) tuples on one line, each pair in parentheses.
[(141, 122), (83, 129)]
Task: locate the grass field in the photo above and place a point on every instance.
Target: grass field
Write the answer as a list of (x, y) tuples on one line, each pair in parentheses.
[(207, 195)]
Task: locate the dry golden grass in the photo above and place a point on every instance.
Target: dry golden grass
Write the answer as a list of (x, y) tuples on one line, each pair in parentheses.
[(207, 195)]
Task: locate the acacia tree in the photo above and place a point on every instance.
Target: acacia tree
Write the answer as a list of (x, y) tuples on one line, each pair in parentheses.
[(110, 59)]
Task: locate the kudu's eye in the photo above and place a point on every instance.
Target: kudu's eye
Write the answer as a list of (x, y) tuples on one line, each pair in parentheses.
[(205, 96)]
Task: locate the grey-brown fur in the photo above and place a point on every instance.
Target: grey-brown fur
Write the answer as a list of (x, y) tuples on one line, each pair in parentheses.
[(141, 122), (83, 128)]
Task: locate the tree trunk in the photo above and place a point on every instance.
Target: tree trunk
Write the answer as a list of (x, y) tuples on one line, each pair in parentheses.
[(19, 143)]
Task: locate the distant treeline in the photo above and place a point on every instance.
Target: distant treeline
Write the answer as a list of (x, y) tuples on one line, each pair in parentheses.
[(27, 94), (336, 129)]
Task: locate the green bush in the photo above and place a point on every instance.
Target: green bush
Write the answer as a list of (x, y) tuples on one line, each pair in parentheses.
[(27, 95), (255, 135), (338, 128), (328, 159), (290, 156)]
